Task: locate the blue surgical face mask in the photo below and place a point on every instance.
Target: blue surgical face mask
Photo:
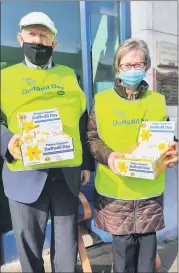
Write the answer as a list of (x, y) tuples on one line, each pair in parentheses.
[(132, 78)]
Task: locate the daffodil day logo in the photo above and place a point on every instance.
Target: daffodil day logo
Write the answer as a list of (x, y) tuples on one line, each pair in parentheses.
[(119, 122), (123, 119), (44, 89), (125, 122)]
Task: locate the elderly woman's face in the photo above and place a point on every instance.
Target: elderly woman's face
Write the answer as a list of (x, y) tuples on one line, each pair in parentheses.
[(134, 59)]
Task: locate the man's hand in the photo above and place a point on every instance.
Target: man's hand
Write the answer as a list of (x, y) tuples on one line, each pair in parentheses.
[(14, 148), (111, 161), (85, 177), (172, 156)]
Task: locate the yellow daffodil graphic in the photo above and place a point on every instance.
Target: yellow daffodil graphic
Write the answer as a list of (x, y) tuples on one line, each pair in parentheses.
[(145, 135), (28, 138), (162, 147), (33, 153), (28, 126), (122, 167)]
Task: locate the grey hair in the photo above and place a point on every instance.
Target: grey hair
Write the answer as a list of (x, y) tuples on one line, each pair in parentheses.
[(131, 44)]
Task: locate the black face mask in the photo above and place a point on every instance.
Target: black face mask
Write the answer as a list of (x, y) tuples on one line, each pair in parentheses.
[(37, 54)]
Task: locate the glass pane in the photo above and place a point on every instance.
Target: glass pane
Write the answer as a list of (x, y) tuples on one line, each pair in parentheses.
[(65, 14), (104, 20)]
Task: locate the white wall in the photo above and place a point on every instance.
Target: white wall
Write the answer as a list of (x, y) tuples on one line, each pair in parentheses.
[(165, 16), (155, 21)]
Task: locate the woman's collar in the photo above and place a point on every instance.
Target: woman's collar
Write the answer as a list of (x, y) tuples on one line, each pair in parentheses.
[(139, 93)]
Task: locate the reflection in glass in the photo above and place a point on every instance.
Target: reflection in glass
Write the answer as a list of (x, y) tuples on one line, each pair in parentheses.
[(104, 19)]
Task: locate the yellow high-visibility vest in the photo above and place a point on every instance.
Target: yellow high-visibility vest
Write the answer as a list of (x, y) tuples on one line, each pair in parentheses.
[(118, 122), (26, 89)]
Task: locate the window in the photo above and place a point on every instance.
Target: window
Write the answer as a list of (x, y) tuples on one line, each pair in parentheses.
[(104, 23)]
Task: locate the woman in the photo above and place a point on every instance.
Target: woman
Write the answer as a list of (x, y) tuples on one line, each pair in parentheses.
[(130, 209)]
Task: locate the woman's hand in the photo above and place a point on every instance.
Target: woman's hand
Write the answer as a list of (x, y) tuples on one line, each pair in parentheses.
[(172, 156), (111, 161), (14, 147)]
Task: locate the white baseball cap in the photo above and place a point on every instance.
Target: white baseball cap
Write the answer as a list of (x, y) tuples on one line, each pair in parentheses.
[(38, 18)]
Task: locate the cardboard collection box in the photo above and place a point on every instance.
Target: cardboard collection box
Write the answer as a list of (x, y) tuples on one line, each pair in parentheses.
[(43, 139), (47, 151), (147, 158)]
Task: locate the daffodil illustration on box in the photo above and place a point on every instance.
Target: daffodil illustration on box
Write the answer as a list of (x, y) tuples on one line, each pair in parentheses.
[(29, 126), (162, 146), (145, 135), (122, 167), (33, 152), (28, 138)]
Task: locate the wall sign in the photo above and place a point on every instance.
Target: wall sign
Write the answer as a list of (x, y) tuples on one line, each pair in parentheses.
[(167, 54), (167, 84)]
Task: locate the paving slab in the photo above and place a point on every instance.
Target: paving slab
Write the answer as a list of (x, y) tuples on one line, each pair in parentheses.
[(101, 259)]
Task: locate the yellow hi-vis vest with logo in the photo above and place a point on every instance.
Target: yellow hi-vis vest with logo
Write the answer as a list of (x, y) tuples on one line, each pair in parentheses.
[(26, 89), (118, 122)]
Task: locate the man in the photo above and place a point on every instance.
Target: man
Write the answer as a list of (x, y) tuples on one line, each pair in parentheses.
[(34, 193)]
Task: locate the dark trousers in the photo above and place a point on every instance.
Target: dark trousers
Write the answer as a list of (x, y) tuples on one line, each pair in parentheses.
[(29, 224), (135, 253)]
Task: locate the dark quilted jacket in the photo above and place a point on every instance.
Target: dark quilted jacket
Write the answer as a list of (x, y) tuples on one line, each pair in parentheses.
[(121, 217)]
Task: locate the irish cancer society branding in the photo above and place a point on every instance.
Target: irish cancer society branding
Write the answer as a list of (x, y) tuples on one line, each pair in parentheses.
[(42, 88)]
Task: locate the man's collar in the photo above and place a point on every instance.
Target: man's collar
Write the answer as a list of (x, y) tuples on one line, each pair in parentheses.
[(31, 65)]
